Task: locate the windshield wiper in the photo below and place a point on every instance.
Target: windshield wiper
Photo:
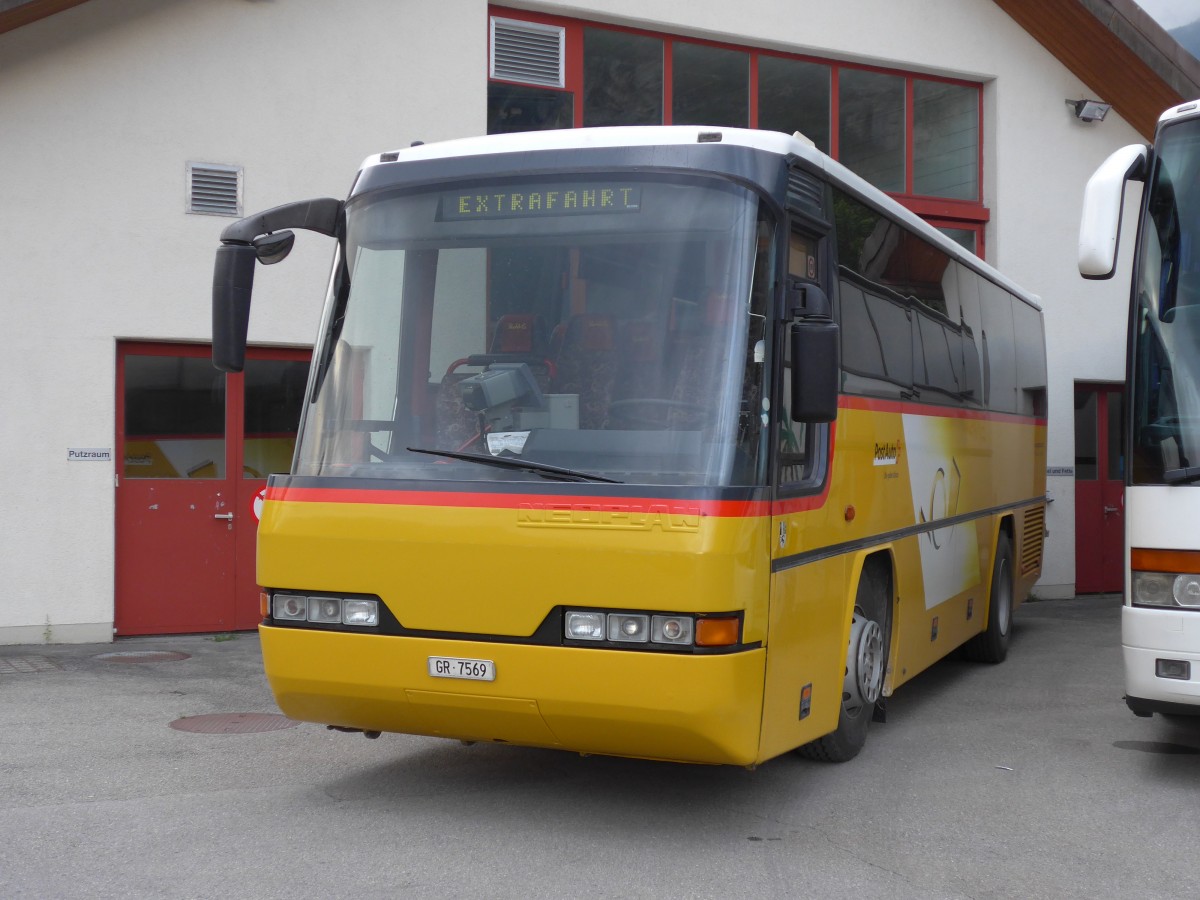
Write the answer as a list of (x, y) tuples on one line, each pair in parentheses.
[(1182, 476), (523, 465)]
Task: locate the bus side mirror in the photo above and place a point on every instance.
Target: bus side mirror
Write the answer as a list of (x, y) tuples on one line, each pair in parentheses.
[(261, 238), (1103, 199), (233, 284), (815, 370)]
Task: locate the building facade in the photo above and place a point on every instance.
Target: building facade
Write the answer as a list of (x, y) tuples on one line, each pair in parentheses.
[(135, 130)]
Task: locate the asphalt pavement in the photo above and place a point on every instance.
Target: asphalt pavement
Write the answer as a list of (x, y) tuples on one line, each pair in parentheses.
[(159, 767)]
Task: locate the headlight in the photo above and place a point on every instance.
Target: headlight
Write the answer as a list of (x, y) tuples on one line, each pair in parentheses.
[(1165, 590), (290, 607), (360, 612), (628, 628), (620, 629), (325, 610), (1186, 591), (584, 626)]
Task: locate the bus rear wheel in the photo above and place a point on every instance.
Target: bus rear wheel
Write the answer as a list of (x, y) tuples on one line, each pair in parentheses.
[(866, 665), (991, 645)]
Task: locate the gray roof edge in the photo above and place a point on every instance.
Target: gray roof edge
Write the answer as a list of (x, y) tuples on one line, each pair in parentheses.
[(1133, 26)]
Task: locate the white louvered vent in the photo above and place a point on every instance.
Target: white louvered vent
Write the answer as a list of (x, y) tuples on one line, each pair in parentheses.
[(527, 52), (214, 190)]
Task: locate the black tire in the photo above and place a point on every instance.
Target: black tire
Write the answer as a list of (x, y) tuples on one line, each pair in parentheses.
[(873, 606), (991, 645)]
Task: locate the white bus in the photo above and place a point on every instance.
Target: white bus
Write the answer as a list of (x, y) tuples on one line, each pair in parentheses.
[(1160, 621)]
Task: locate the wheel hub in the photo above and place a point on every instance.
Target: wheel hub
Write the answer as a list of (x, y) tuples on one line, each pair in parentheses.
[(864, 663)]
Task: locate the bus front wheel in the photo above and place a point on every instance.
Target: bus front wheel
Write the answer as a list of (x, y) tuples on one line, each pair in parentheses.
[(866, 665)]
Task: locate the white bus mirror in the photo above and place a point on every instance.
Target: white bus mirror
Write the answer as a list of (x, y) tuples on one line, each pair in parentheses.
[(1103, 198)]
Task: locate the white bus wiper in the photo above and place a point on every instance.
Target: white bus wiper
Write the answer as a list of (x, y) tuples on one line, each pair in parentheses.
[(1182, 476), (523, 465)]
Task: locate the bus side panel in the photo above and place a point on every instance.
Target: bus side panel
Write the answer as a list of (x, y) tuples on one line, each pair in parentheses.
[(809, 611)]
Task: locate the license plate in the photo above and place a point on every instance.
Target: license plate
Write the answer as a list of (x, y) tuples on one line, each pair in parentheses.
[(454, 667)]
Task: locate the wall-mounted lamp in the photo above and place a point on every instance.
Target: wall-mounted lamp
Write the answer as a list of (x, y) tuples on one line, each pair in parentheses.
[(1089, 110)]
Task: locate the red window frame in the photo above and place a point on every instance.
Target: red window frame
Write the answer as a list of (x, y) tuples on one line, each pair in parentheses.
[(967, 214)]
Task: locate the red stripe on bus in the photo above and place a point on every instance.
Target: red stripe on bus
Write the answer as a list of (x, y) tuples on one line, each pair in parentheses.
[(729, 509)]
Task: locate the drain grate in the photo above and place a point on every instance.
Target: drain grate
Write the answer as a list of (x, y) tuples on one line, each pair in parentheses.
[(143, 656), (27, 665), (234, 723)]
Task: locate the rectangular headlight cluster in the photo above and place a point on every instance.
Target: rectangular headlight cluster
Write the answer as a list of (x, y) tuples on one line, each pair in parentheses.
[(627, 629), (1166, 590), (324, 610)]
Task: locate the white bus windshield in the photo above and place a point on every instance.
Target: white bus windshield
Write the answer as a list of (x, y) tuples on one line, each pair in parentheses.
[(594, 326), (1166, 346)]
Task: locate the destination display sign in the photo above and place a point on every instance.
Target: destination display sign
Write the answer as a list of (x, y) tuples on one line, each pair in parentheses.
[(540, 201)]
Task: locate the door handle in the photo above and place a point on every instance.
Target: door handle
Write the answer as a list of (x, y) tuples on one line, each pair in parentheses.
[(228, 517)]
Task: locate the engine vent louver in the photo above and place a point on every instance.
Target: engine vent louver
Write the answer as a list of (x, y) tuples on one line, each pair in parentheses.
[(214, 190), (1032, 533), (527, 52)]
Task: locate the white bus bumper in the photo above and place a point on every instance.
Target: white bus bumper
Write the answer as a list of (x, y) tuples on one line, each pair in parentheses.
[(1150, 635)]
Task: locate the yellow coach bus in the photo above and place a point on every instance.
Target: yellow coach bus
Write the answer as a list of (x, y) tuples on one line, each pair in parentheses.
[(672, 443)]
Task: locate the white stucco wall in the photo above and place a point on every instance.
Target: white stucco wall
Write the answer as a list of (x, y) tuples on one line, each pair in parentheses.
[(102, 106)]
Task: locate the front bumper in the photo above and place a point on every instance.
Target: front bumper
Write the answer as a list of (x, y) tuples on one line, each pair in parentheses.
[(689, 708)]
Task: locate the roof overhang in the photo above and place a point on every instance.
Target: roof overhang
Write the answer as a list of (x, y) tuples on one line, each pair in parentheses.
[(15, 13), (1117, 50)]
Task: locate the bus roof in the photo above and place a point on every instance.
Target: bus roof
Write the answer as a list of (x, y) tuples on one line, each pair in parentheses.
[(665, 135)]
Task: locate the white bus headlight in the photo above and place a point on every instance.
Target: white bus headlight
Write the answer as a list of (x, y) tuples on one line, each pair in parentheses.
[(1186, 591), (1152, 589), (1165, 590)]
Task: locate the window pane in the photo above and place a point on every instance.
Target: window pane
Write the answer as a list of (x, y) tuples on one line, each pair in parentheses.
[(945, 140), (514, 107), (1116, 435), (871, 127), (964, 237), (622, 78), (273, 399), (1086, 420), (794, 96), (174, 418), (710, 86)]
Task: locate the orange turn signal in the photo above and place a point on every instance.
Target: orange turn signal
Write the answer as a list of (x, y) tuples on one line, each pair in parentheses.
[(264, 603), (716, 632)]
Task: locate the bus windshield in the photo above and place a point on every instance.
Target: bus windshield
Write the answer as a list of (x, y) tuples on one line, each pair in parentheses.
[(1166, 345), (607, 327)]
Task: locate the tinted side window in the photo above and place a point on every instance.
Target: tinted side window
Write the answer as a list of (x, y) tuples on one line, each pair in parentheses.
[(1030, 360), (971, 327), (999, 350)]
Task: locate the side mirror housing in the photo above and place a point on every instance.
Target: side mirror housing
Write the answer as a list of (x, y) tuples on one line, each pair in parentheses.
[(815, 370), (1103, 199), (233, 284)]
